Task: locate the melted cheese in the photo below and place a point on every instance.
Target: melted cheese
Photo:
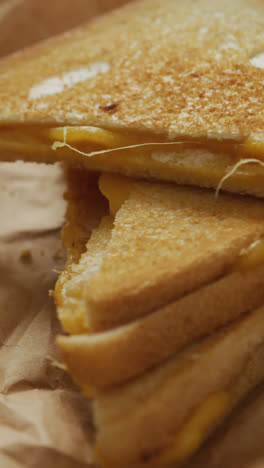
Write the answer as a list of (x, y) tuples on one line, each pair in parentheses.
[(89, 135), (254, 145), (116, 189), (251, 257), (88, 391), (169, 162), (86, 134)]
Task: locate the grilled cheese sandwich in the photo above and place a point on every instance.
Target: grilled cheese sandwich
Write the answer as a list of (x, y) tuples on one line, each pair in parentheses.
[(160, 91)]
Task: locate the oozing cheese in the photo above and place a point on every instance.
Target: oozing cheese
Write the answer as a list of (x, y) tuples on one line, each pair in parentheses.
[(116, 189), (86, 134), (252, 257), (254, 145)]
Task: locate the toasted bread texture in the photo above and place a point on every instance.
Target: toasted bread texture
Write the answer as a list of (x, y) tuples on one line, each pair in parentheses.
[(171, 67), (85, 208), (152, 409), (166, 242), (108, 358)]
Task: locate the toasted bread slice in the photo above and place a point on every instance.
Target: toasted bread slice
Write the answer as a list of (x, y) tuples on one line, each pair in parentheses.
[(166, 241), (108, 358), (163, 416), (198, 63), (186, 85)]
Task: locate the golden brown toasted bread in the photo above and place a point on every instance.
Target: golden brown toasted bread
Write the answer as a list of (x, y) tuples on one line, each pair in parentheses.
[(166, 242), (196, 88), (107, 358)]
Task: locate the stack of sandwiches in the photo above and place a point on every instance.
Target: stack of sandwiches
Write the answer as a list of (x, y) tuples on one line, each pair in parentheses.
[(156, 111)]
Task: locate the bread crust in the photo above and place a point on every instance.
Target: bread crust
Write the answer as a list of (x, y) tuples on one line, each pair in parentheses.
[(166, 242), (106, 359)]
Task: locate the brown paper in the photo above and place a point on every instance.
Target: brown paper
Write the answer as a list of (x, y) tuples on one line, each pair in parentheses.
[(24, 22), (44, 420)]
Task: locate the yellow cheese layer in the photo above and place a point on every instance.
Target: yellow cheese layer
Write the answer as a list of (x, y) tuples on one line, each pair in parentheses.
[(87, 134), (252, 257), (253, 146), (116, 189), (168, 161), (32, 136)]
